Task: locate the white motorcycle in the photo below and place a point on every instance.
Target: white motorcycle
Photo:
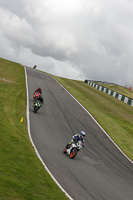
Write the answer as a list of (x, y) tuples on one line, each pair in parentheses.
[(72, 149)]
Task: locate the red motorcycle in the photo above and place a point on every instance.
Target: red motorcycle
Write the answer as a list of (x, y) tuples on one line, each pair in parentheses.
[(35, 67)]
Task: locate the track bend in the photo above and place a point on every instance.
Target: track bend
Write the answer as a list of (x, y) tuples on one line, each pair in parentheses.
[(100, 171)]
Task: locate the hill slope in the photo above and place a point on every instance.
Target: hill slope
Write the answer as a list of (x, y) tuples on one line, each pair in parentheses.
[(17, 180), (113, 115), (22, 175)]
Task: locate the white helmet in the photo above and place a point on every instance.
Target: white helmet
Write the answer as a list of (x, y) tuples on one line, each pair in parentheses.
[(82, 133)]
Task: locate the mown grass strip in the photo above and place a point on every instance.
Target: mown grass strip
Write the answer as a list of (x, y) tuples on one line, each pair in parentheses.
[(22, 175), (113, 115)]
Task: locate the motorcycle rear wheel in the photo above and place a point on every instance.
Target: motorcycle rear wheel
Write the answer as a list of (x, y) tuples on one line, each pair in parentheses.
[(64, 150)]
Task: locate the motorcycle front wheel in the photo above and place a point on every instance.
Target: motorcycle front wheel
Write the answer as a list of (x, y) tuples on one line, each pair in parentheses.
[(73, 153), (35, 109)]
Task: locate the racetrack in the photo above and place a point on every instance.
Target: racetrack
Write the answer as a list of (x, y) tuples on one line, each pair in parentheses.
[(100, 171)]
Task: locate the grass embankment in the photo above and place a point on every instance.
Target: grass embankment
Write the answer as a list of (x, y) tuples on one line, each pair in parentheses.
[(22, 175), (116, 117)]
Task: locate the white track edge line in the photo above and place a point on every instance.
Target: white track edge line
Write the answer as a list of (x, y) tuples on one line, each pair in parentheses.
[(95, 121), (28, 126)]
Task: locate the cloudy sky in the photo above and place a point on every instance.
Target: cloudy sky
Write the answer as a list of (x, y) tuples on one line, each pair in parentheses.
[(77, 39)]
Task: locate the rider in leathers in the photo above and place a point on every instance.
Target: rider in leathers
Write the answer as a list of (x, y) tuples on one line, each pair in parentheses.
[(76, 138), (39, 90)]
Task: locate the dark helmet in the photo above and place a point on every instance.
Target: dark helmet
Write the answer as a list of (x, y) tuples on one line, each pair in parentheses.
[(39, 89)]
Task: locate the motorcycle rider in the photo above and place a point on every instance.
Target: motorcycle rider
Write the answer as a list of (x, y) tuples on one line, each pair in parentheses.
[(76, 138), (39, 90), (35, 66)]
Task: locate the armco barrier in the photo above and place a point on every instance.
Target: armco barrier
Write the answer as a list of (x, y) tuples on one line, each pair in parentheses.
[(110, 92)]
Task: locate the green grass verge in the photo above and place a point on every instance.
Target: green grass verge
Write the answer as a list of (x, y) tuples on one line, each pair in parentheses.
[(116, 117), (22, 175)]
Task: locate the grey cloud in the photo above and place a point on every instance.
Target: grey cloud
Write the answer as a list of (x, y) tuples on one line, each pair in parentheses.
[(80, 38)]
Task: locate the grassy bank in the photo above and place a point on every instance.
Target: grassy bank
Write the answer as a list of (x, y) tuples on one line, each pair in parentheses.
[(113, 115), (22, 175)]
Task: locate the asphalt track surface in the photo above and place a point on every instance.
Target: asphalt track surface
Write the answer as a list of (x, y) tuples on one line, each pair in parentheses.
[(100, 171)]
